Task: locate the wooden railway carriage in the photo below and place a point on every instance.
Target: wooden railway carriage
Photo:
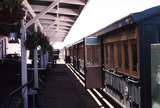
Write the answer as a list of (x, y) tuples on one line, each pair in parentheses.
[(76, 54), (86, 58), (127, 57), (125, 64)]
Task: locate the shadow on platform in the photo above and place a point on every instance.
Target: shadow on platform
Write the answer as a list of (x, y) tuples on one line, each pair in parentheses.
[(62, 90)]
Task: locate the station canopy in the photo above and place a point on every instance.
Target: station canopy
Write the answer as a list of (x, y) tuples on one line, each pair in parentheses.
[(55, 17)]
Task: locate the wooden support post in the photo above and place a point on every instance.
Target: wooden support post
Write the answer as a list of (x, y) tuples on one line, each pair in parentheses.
[(24, 66)]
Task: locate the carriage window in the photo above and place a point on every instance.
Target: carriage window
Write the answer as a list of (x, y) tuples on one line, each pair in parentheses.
[(119, 55), (126, 56), (106, 54), (112, 56), (134, 56), (97, 56)]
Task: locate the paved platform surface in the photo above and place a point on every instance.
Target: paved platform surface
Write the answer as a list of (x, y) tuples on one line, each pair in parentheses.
[(62, 90)]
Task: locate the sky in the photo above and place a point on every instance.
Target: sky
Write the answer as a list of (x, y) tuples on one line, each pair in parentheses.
[(99, 13)]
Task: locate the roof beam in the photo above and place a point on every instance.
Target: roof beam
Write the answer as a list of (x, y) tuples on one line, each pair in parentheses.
[(61, 18), (54, 27), (65, 24), (57, 23), (61, 27), (64, 11), (54, 31), (62, 31), (47, 22), (52, 24), (67, 19), (74, 2), (48, 17), (52, 5), (55, 38)]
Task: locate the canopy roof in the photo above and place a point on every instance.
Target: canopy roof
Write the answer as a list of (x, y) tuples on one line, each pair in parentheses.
[(55, 17)]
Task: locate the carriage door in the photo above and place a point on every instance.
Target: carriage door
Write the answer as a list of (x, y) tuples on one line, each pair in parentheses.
[(93, 63)]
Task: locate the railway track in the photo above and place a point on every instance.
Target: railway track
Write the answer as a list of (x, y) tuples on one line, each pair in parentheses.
[(102, 99)]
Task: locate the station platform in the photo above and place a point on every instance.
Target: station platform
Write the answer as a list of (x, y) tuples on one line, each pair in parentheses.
[(63, 90)]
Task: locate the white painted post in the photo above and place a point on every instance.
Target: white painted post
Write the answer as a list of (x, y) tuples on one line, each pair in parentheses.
[(35, 68), (24, 79), (41, 59), (35, 64)]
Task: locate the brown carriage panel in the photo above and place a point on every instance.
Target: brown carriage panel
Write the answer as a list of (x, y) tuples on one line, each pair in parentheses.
[(109, 56), (93, 55), (98, 55), (93, 77), (105, 54), (115, 56), (119, 54), (130, 57), (123, 58), (131, 33)]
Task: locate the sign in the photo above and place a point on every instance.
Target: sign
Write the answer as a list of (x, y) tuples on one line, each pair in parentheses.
[(92, 41), (13, 38)]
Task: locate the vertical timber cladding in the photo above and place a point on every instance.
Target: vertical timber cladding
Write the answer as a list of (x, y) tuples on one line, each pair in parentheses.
[(155, 75), (93, 62)]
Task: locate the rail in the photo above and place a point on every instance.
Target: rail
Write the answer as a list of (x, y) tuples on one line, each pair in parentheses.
[(133, 81), (112, 73)]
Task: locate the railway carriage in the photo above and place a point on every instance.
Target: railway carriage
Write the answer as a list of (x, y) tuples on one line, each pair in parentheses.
[(118, 58), (127, 57)]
